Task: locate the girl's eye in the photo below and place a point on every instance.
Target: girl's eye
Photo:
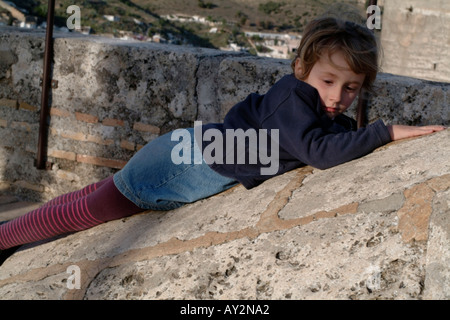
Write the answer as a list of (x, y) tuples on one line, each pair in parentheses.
[(351, 89), (328, 81)]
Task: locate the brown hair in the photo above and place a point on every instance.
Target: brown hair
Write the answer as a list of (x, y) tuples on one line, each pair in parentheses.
[(328, 34)]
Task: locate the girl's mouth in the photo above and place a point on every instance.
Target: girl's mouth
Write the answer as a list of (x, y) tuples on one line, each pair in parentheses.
[(330, 110)]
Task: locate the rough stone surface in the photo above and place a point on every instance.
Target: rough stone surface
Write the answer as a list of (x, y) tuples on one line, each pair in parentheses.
[(114, 96), (374, 228), (414, 37)]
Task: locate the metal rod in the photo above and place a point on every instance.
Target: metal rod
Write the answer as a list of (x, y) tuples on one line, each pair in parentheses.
[(361, 109), (46, 81), (363, 97)]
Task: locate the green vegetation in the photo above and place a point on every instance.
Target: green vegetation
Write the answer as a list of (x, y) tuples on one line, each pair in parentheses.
[(207, 5), (270, 7)]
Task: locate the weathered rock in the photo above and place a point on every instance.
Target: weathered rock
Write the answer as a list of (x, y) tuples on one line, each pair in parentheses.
[(114, 96), (415, 39), (374, 228)]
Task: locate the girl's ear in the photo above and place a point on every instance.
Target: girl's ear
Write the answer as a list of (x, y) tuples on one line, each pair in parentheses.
[(298, 72)]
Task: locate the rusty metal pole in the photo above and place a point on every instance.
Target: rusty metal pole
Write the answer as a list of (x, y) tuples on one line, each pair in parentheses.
[(46, 84), (363, 96), (361, 109)]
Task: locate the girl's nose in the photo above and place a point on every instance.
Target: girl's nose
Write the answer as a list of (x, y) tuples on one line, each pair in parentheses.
[(335, 96)]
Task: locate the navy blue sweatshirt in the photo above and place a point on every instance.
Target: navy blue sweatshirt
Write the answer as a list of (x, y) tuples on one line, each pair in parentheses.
[(305, 134)]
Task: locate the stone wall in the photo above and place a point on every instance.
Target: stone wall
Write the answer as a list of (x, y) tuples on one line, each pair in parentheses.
[(373, 228), (415, 38), (112, 97)]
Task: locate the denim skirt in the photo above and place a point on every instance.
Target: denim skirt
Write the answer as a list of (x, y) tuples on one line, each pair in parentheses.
[(154, 181)]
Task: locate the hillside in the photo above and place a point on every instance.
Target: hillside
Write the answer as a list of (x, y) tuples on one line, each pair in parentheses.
[(143, 18)]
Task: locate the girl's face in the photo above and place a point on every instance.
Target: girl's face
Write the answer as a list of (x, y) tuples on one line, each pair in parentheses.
[(337, 84)]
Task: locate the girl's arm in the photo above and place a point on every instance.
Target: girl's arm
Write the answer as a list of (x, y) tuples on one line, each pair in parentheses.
[(398, 132)]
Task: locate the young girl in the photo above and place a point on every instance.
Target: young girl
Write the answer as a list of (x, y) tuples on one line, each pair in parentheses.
[(301, 115)]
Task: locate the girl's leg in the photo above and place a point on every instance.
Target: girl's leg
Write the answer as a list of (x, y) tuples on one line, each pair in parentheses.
[(72, 196), (103, 204)]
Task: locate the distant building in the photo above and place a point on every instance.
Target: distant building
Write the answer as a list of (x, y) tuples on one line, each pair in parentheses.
[(111, 18), (281, 45)]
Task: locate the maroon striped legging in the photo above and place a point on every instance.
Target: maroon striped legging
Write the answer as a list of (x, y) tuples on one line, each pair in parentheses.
[(75, 211)]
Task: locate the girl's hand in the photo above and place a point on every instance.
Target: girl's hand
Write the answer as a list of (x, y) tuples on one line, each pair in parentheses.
[(398, 132)]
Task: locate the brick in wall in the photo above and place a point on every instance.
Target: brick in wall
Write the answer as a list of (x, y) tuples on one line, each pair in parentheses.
[(113, 122), (99, 161), (140, 126), (86, 117)]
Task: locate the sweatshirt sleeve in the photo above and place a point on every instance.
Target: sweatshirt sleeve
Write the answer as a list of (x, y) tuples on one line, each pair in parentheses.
[(303, 135)]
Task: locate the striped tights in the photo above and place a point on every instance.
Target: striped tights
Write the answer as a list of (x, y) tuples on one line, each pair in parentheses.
[(75, 211)]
